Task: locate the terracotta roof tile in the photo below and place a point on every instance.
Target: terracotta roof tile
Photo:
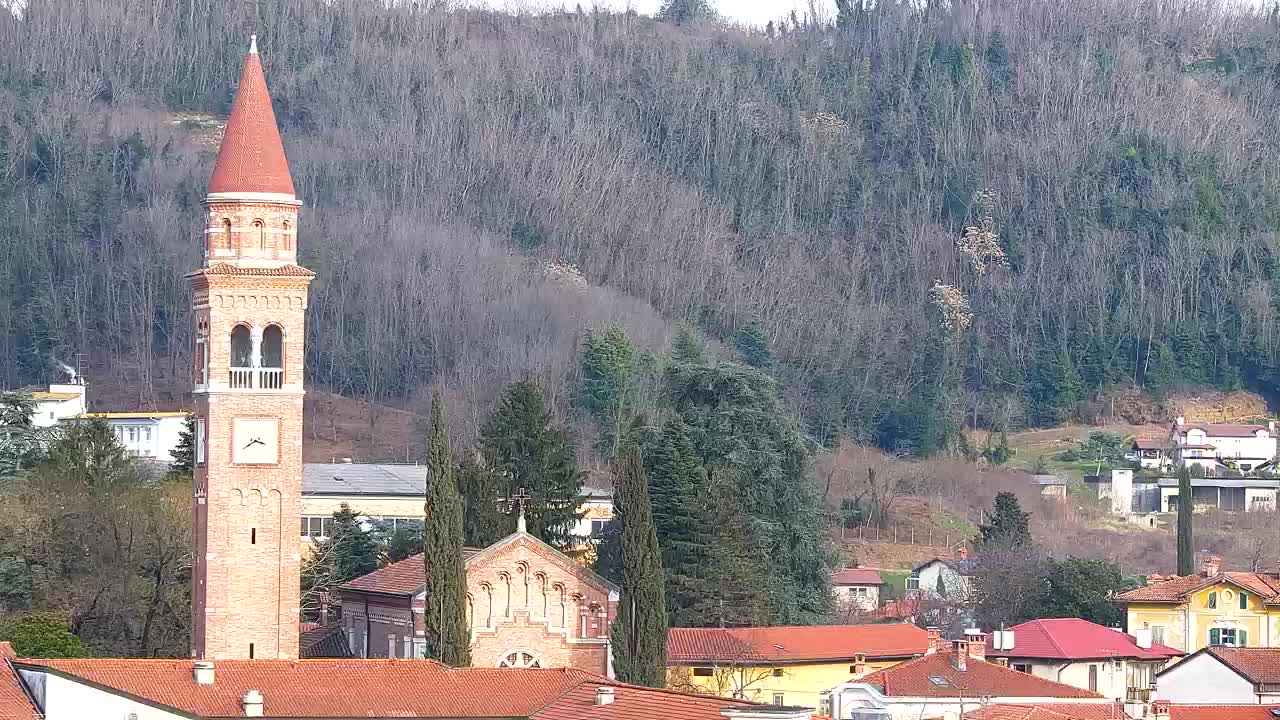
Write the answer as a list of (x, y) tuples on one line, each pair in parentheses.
[(14, 702), (936, 676), (251, 158), (1076, 639), (856, 576), (1051, 711), (404, 577), (324, 641), (227, 269), (1177, 588), (1261, 665), (793, 643), (385, 688), (1223, 712)]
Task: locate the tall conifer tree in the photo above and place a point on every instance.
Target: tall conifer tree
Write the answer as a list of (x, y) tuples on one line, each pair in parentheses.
[(483, 523), (528, 450), (677, 487), (448, 639), (640, 647), (1186, 555)]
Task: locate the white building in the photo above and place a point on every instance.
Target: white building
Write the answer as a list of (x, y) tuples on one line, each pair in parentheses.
[(1217, 447), (1223, 676), (60, 402), (148, 435), (945, 578), (858, 587)]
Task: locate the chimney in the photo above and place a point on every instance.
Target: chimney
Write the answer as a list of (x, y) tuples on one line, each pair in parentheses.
[(346, 461), (977, 643), (1180, 421), (252, 702), (1002, 662), (604, 695), (1154, 579), (1271, 426), (203, 670), (859, 665), (1142, 638), (324, 608), (960, 655), (1159, 710), (1210, 565), (935, 640)]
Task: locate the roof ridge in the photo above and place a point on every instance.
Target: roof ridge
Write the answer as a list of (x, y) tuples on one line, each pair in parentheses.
[(1049, 636)]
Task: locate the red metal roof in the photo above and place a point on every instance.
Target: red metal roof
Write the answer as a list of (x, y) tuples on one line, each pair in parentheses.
[(936, 675), (1076, 639), (1050, 711), (251, 158), (384, 688), (793, 644), (856, 576)]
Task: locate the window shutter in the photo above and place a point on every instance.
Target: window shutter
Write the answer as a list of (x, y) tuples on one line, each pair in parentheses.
[(1242, 638), (1215, 635)]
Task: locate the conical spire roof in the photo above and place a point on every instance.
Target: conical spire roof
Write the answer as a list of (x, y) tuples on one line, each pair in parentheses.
[(251, 159)]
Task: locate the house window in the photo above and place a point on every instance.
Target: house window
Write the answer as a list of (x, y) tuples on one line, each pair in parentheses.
[(1093, 678), (1213, 601), (1229, 637), (133, 435), (1157, 634), (859, 591), (1244, 601), (519, 660), (391, 645), (913, 582), (777, 672), (146, 434), (778, 699), (703, 672), (598, 527), (824, 704), (317, 527), (408, 648), (1022, 667)]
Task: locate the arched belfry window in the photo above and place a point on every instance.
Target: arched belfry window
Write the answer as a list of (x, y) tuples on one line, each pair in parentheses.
[(272, 347), (285, 240), (261, 229), (241, 347), (226, 232)]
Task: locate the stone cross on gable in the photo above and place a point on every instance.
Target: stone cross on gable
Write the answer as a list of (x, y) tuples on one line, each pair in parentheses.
[(516, 504)]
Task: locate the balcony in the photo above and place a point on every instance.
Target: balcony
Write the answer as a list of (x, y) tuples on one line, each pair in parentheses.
[(1139, 695), (250, 378)]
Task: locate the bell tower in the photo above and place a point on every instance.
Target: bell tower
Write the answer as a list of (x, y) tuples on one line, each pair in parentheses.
[(249, 303)]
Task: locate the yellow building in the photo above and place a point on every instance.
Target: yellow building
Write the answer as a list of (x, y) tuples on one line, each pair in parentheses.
[(786, 665), (1190, 612)]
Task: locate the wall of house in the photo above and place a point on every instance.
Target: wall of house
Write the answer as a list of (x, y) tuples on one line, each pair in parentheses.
[(1262, 448), (63, 699), (1203, 679), (799, 684), (390, 622), (1187, 626), (866, 597), (956, 585)]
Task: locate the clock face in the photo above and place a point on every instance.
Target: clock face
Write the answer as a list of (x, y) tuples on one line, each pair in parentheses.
[(255, 441)]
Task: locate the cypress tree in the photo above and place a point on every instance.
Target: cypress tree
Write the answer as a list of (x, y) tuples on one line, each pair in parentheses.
[(446, 579), (526, 449), (1186, 556), (640, 650)]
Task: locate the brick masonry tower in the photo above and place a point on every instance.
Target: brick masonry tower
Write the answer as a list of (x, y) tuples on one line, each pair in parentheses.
[(249, 303)]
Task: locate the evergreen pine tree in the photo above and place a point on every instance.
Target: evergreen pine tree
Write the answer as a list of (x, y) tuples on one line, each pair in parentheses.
[(607, 363), (677, 488), (184, 453), (483, 523), (732, 593), (753, 346), (1186, 553), (527, 450), (687, 347), (448, 638), (1006, 524), (640, 656)]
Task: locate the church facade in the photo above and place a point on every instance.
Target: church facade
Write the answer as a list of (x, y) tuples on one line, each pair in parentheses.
[(249, 304), (528, 605)]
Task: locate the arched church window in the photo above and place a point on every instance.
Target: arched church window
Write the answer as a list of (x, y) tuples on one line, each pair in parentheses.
[(519, 659), (241, 347), (226, 232), (285, 241), (260, 228), (273, 347)]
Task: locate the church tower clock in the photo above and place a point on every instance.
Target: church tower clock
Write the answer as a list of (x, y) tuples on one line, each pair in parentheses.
[(249, 301)]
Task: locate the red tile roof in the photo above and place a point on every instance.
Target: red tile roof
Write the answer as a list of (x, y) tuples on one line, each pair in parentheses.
[(1223, 429), (1176, 588), (1076, 639), (404, 577), (251, 158), (1050, 711), (384, 688), (14, 702), (1222, 712), (1260, 665), (936, 676), (793, 644), (856, 576)]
